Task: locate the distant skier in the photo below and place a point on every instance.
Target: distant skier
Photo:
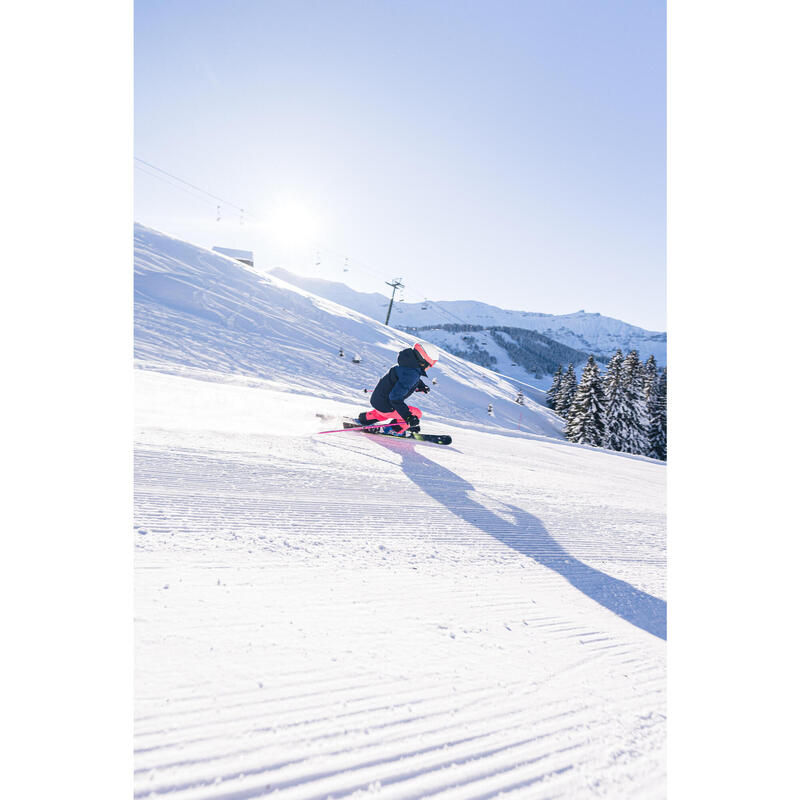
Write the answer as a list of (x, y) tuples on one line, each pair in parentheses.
[(398, 384)]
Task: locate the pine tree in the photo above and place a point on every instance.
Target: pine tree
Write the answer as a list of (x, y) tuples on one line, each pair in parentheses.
[(552, 392), (650, 386), (634, 411), (566, 392), (657, 432), (585, 424), (613, 424), (650, 377)]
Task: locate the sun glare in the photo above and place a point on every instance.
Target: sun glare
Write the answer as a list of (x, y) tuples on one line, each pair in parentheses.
[(292, 224)]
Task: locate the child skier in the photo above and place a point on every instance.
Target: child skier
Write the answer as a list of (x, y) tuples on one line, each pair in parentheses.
[(399, 383)]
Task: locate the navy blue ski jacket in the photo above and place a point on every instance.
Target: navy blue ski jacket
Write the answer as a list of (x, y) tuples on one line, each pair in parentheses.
[(399, 383)]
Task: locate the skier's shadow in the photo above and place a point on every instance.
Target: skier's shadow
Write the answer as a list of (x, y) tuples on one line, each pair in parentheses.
[(527, 535)]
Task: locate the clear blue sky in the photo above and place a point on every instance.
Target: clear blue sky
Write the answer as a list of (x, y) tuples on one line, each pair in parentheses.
[(509, 152)]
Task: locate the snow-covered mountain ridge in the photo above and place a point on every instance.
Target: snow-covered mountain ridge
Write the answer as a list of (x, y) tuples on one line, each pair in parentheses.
[(589, 332), (527, 357)]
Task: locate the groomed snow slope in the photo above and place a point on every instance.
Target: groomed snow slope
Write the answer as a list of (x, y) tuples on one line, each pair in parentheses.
[(338, 615)]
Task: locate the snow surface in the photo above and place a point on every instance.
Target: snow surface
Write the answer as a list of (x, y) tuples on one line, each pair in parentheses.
[(339, 615)]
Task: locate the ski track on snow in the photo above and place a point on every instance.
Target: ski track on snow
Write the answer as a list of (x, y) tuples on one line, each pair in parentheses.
[(311, 622)]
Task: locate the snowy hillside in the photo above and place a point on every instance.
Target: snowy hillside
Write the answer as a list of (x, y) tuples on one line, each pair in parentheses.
[(592, 333), (343, 615), (198, 310)]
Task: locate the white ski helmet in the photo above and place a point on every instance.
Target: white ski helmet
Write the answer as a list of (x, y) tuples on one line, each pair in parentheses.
[(428, 352)]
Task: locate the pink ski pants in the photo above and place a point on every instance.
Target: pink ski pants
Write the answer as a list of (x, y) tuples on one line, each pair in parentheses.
[(379, 416)]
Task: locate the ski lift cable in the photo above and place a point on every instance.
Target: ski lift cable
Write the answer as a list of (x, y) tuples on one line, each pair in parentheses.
[(413, 297), (196, 188), (190, 192), (190, 188), (350, 261), (320, 246)]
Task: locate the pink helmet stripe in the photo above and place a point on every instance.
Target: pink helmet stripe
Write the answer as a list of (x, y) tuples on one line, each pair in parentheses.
[(430, 357)]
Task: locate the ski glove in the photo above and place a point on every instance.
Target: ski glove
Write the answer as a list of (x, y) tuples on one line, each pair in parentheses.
[(413, 423), (421, 387)]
